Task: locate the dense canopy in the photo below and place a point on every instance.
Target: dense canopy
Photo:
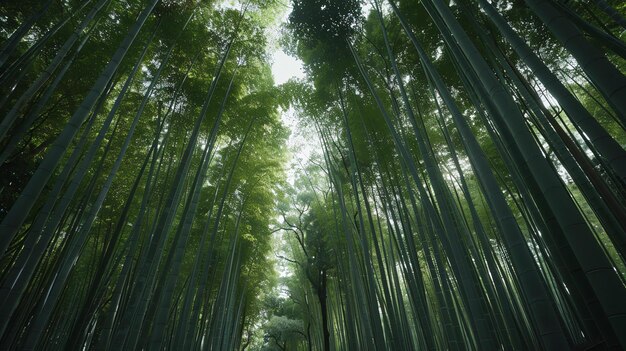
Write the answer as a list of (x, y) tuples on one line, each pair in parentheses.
[(444, 176)]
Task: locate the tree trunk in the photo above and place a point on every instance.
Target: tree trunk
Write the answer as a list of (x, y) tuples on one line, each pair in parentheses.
[(322, 295)]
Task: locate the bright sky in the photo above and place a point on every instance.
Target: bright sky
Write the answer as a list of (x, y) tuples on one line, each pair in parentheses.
[(285, 67)]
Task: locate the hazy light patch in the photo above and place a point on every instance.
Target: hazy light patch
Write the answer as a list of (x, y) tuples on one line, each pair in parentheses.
[(285, 67), (229, 5), (366, 8)]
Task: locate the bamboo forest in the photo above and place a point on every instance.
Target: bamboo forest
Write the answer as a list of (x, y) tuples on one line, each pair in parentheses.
[(302, 175)]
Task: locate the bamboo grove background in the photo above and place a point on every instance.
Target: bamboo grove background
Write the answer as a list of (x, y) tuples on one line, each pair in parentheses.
[(464, 186)]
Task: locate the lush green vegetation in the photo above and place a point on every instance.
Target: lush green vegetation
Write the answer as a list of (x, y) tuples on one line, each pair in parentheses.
[(456, 176)]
